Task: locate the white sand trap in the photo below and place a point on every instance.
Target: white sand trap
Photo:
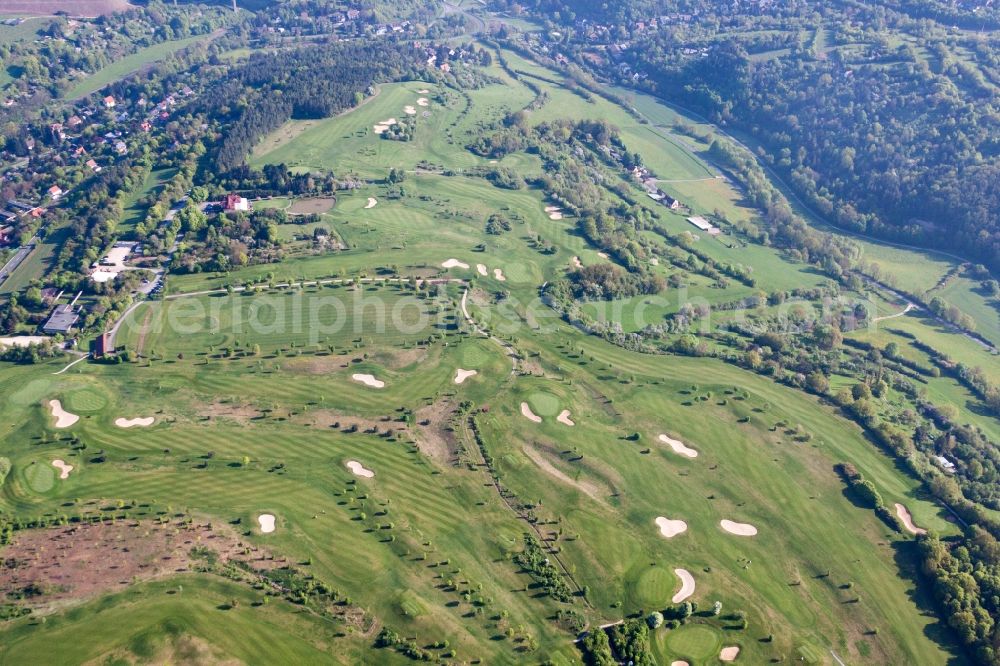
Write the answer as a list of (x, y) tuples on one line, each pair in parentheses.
[(528, 414), (555, 212), (368, 380), (729, 653), (63, 418), (266, 521), (564, 418), (462, 375), (63, 468), (380, 129), (453, 263), (654, 261), (371, 202), (482, 269), (577, 263), (739, 529), (907, 520), (142, 422), (679, 662), (679, 447), (498, 274), (602, 255), (670, 528), (425, 91), (357, 469), (409, 110), (423, 101), (687, 585)]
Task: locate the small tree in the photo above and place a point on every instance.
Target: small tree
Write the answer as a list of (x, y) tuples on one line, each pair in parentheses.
[(655, 620)]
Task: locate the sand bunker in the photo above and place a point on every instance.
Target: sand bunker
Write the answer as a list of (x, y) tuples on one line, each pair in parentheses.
[(453, 263), (739, 529), (729, 653), (679, 662), (462, 375), (498, 274), (670, 528), (409, 110), (602, 255), (371, 202), (679, 447), (482, 269), (63, 468), (382, 127), (63, 418), (425, 91), (266, 521), (528, 414), (555, 212), (142, 422), (577, 263), (907, 520), (368, 380), (357, 469), (687, 585), (423, 101), (564, 418)]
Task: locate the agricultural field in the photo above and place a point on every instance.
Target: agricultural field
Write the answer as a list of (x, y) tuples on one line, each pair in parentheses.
[(401, 437)]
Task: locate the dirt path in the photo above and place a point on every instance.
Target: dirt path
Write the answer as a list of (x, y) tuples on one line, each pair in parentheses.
[(506, 346), (909, 306)]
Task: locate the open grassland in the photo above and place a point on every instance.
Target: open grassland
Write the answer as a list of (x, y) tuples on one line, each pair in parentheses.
[(131, 63)]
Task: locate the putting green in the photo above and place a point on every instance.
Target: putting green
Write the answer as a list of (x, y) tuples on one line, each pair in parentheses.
[(86, 400), (40, 477), (694, 642), (653, 588), (544, 404)]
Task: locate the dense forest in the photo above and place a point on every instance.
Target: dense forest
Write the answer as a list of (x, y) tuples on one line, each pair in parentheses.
[(883, 121), (313, 82)]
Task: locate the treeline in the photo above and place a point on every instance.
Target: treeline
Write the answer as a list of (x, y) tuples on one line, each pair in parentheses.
[(312, 82)]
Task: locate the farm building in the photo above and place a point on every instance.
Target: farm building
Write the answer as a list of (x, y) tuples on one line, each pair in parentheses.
[(704, 225), (62, 320)]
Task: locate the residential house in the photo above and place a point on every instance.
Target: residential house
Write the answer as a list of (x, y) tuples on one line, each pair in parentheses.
[(109, 102), (55, 192), (235, 203)]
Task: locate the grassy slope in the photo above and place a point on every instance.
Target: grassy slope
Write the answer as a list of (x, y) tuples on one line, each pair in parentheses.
[(116, 70)]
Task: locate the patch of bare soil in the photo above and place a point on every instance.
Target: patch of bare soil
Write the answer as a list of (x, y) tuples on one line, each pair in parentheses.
[(328, 418), (229, 411), (317, 365), (435, 437), (46, 568)]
